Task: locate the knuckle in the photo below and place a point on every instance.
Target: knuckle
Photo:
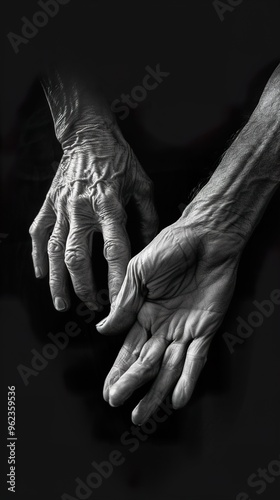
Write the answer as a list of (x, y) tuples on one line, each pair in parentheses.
[(108, 205), (55, 247), (31, 229), (113, 250), (74, 258), (134, 266), (103, 199), (76, 202), (34, 229)]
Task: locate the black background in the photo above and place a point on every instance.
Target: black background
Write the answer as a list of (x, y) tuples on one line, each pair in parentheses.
[(217, 70)]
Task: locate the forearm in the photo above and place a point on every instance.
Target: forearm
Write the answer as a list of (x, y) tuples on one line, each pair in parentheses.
[(80, 113), (249, 173)]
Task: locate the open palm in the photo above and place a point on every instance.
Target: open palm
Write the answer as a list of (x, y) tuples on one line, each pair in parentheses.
[(173, 299)]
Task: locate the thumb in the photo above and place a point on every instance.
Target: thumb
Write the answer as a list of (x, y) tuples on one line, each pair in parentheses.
[(129, 300)]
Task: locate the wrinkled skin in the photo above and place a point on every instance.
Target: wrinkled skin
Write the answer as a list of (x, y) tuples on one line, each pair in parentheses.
[(177, 290), (173, 299), (97, 176)]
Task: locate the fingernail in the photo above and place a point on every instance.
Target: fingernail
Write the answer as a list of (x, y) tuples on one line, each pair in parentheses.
[(177, 405), (101, 323), (38, 272), (112, 396), (115, 403), (135, 421), (60, 304), (111, 404)]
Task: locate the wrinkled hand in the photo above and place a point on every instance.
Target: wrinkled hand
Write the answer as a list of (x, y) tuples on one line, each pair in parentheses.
[(173, 299), (97, 176)]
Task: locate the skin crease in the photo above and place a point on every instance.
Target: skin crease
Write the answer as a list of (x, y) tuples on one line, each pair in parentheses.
[(175, 294), (97, 176), (177, 290)]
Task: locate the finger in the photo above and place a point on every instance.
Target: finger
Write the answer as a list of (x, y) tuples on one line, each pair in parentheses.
[(140, 372), (127, 304), (128, 354), (202, 327), (58, 270), (116, 252), (40, 232), (194, 363), (168, 375), (143, 196), (78, 261)]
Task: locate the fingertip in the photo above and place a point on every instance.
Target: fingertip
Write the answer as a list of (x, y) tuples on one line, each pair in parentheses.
[(135, 421), (106, 392), (143, 411), (60, 304), (104, 332), (178, 405), (113, 398), (112, 404), (107, 327), (180, 397), (40, 269), (111, 378), (38, 272), (101, 326), (136, 417)]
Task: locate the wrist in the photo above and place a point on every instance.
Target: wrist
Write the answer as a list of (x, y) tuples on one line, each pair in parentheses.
[(238, 192), (233, 201), (80, 112), (233, 211), (212, 221), (86, 131)]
